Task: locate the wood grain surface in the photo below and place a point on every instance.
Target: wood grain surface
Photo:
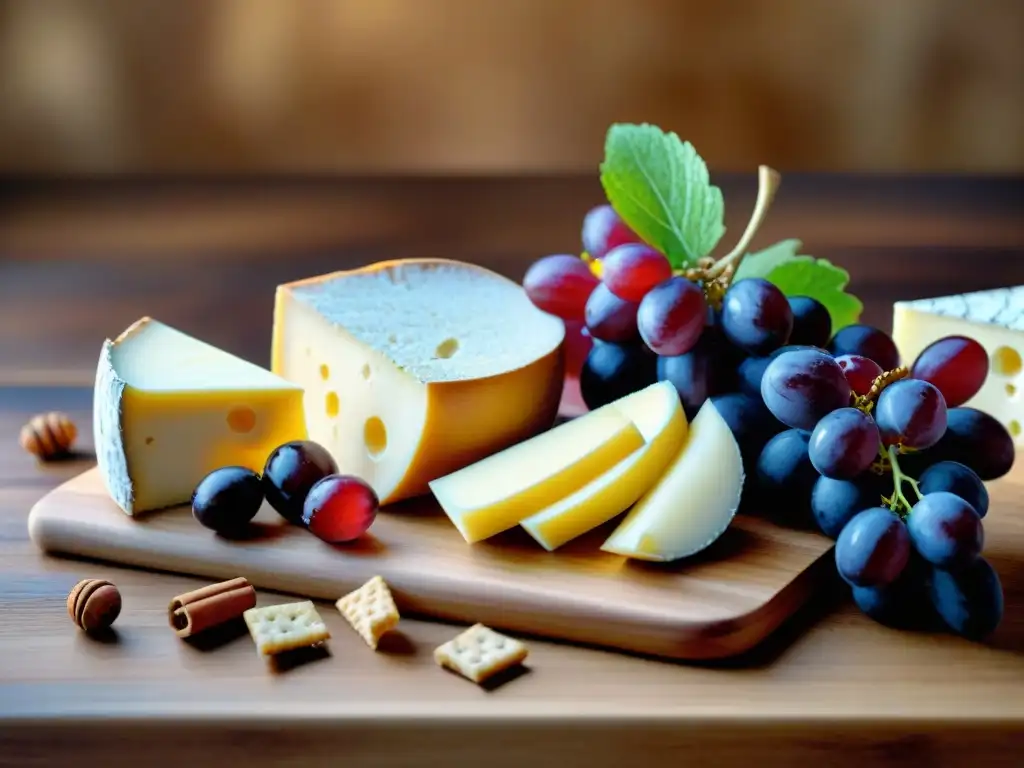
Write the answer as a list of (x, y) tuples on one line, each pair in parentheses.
[(720, 604), (79, 261)]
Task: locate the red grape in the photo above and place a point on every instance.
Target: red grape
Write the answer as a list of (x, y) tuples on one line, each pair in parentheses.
[(630, 271), (340, 508), (560, 285), (578, 343), (672, 315), (610, 318), (603, 230), (956, 365), (860, 372)]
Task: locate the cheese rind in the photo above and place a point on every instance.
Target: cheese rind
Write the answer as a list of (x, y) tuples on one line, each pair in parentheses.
[(995, 319), (414, 369), (168, 409), (658, 414), (692, 503), (498, 492)]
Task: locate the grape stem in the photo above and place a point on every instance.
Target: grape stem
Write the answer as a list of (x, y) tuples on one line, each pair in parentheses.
[(768, 181), (899, 502)]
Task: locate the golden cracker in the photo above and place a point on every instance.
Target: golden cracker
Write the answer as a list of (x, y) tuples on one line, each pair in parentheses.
[(279, 628), (480, 653), (370, 610)]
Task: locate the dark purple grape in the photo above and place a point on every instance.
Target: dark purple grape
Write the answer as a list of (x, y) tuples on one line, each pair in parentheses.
[(976, 440), (291, 470), (603, 230), (610, 318), (672, 316), (751, 423), (860, 372), (911, 413), (756, 316), (866, 341), (612, 371), (812, 324), (956, 365), (696, 375), (631, 270), (560, 285), (227, 499), (835, 502), (873, 548), (750, 370), (958, 479), (785, 477), (970, 601), (800, 387), (904, 604), (945, 530), (844, 443)]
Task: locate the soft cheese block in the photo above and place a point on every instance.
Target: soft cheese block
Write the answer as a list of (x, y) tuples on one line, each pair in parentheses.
[(993, 318), (413, 369), (658, 415), (692, 503), (168, 409), (496, 493)]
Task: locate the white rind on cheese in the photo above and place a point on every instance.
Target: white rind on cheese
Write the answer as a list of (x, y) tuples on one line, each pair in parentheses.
[(1000, 306), (692, 503), (168, 409), (995, 319), (413, 369)]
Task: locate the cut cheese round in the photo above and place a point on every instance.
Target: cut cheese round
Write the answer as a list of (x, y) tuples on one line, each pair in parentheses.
[(658, 415), (693, 503), (413, 369)]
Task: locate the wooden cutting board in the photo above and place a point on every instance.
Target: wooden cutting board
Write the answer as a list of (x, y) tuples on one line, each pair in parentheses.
[(720, 603)]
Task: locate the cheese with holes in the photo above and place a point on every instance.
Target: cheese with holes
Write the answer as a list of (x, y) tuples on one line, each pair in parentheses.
[(413, 369), (993, 318), (498, 492), (692, 503), (168, 409), (658, 415)]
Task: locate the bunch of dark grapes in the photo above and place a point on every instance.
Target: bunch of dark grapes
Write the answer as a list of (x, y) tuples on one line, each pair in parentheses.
[(834, 433)]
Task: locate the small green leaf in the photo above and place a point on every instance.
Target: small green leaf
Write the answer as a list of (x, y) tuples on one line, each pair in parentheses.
[(798, 275), (660, 187)]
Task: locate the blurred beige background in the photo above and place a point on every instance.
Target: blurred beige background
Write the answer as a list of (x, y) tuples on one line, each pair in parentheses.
[(507, 85)]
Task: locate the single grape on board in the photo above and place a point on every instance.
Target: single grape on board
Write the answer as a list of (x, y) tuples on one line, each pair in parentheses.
[(291, 470), (340, 508), (227, 499)]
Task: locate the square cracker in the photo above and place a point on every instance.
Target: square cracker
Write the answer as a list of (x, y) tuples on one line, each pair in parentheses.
[(279, 628), (479, 653), (370, 610)]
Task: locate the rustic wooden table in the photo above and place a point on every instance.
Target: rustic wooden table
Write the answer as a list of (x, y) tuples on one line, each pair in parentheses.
[(79, 261)]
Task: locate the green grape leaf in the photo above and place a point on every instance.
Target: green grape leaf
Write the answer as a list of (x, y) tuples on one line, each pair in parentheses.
[(660, 187), (799, 275)]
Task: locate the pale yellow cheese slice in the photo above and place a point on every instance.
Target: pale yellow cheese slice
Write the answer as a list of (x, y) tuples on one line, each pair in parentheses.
[(692, 503), (658, 414), (496, 493), (414, 369)]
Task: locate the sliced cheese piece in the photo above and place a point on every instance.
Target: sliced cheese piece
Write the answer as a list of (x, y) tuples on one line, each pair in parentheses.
[(496, 493), (168, 409), (692, 503), (993, 318), (414, 369), (658, 414)]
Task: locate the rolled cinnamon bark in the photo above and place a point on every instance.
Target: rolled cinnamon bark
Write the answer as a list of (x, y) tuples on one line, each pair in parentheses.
[(205, 608)]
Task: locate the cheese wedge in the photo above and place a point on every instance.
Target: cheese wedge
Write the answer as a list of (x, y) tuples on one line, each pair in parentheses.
[(495, 494), (993, 318), (693, 503), (168, 409), (414, 369), (658, 414)]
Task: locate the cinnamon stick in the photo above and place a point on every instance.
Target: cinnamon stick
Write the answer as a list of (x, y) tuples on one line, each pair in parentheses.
[(208, 607)]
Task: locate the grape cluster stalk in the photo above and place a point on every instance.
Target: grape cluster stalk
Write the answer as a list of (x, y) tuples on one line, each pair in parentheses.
[(889, 460)]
